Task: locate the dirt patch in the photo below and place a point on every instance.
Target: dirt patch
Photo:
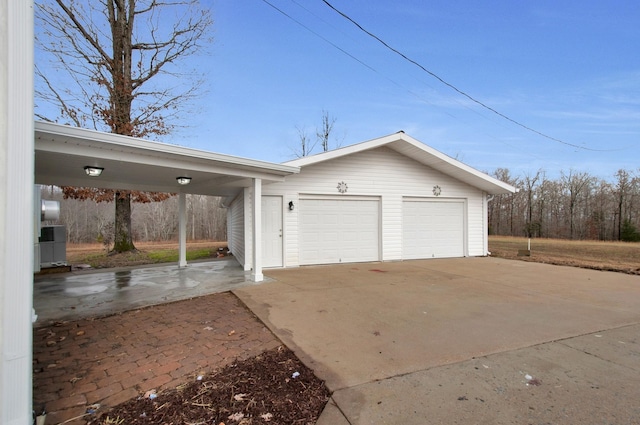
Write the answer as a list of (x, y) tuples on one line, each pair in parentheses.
[(271, 388), (622, 257)]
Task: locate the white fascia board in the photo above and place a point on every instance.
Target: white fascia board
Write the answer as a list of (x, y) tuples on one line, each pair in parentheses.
[(428, 156), (347, 150), (48, 131), (459, 166), (138, 157)]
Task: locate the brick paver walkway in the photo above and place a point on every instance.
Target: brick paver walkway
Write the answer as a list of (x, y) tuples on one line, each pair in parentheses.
[(110, 360)]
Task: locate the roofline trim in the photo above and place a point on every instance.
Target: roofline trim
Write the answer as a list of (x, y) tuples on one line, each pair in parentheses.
[(400, 136), (133, 143)]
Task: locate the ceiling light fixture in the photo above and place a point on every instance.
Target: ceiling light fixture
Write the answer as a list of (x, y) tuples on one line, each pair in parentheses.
[(183, 180), (93, 171)]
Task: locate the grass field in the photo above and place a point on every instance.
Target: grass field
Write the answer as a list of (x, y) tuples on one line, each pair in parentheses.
[(611, 256), (148, 253)]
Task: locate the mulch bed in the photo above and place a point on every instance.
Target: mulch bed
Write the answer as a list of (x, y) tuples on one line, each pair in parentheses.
[(271, 388)]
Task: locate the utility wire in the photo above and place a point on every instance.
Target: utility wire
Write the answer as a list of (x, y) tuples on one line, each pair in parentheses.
[(341, 49), (405, 57), (411, 92), (347, 53), (318, 35)]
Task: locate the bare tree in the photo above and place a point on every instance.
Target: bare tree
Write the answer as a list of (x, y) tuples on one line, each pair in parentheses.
[(577, 185), (531, 228), (627, 191), (599, 226), (541, 201), (114, 67), (305, 146), (576, 205), (501, 207), (324, 135)]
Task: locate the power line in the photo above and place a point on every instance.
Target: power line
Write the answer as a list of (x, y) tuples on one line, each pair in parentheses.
[(489, 108), (392, 81), (361, 62), (318, 35)]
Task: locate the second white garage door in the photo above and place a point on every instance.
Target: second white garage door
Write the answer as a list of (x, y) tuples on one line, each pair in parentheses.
[(432, 229), (339, 230)]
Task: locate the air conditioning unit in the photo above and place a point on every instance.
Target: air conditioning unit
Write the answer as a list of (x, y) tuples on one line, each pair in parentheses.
[(53, 246)]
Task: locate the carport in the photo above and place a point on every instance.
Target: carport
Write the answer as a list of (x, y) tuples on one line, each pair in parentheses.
[(62, 154)]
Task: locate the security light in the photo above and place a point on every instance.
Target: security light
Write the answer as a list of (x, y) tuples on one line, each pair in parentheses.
[(93, 171)]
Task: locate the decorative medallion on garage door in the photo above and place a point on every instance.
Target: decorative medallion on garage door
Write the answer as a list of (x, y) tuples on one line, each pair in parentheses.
[(342, 187), (437, 190)]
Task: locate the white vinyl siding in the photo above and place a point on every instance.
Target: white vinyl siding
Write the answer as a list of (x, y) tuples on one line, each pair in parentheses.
[(385, 174), (339, 231), (432, 228), (235, 228)]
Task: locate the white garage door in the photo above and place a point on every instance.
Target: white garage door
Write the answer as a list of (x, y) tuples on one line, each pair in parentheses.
[(432, 229), (339, 231)]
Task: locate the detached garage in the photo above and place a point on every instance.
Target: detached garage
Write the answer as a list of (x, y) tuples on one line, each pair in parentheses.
[(388, 199)]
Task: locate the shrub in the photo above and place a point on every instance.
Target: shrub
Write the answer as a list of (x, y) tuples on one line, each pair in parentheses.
[(629, 233)]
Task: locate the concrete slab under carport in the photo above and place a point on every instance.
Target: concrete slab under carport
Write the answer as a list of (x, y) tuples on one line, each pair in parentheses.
[(102, 292), (381, 334)]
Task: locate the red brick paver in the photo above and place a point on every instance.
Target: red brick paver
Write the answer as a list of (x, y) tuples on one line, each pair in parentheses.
[(112, 359)]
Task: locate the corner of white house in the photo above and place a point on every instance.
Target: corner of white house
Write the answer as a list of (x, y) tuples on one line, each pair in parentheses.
[(16, 198)]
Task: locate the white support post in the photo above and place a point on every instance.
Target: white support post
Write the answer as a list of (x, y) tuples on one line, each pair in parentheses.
[(248, 225), (16, 210), (182, 230), (485, 224), (256, 203)]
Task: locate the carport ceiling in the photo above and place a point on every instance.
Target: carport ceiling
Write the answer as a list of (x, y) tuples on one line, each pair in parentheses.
[(62, 152)]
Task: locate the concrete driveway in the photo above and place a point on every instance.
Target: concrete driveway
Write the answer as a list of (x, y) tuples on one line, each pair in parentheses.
[(474, 341)]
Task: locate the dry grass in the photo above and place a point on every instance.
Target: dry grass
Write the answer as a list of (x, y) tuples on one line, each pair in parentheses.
[(611, 256)]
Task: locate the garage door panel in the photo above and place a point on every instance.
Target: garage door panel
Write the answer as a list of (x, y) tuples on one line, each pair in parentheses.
[(329, 238), (334, 231), (433, 229)]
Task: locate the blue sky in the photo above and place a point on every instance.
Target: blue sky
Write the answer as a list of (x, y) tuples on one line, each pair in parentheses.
[(568, 69)]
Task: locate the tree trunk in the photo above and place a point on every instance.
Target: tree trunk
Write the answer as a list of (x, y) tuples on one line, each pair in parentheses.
[(123, 240)]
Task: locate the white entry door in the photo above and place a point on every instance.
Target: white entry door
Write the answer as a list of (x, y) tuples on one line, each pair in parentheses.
[(272, 231)]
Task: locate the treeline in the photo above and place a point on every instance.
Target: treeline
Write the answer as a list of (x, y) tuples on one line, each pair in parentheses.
[(90, 222), (574, 206)]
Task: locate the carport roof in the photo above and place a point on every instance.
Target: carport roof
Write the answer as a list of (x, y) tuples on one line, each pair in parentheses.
[(412, 148), (62, 152)]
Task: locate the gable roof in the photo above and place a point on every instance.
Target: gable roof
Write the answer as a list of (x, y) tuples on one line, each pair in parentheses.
[(412, 148)]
